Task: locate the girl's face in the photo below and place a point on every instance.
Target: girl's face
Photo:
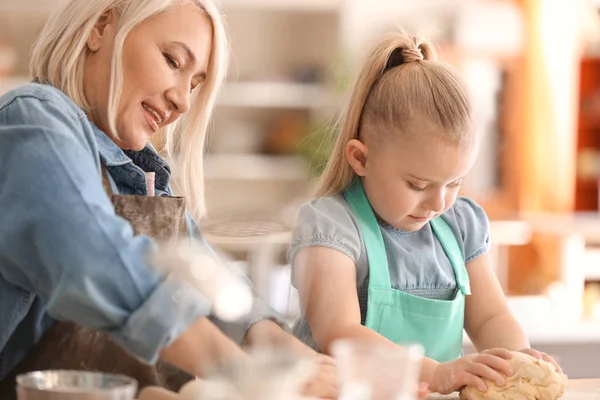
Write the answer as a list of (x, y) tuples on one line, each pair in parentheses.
[(413, 178), (165, 59)]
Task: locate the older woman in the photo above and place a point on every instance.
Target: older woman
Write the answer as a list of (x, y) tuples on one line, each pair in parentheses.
[(76, 287)]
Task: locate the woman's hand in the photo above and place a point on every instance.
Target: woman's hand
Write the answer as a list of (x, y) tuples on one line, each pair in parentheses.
[(540, 355), (470, 370), (423, 391), (324, 384)]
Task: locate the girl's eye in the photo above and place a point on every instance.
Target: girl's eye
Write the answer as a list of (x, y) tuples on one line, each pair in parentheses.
[(416, 188), (171, 61), (455, 184)]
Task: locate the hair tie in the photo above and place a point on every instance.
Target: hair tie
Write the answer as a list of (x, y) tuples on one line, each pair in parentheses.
[(400, 56)]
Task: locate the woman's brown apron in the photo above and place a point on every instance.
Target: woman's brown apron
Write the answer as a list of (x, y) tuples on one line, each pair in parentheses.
[(71, 346)]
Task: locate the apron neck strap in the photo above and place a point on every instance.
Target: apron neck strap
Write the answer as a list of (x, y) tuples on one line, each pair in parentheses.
[(448, 241), (379, 272)]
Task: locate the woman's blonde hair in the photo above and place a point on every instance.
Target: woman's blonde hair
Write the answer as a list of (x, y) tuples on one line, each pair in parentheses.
[(401, 82), (58, 58)]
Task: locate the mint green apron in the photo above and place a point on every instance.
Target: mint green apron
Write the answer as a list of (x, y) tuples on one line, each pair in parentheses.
[(401, 317)]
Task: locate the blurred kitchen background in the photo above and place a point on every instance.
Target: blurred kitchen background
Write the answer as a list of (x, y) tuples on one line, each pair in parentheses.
[(534, 70)]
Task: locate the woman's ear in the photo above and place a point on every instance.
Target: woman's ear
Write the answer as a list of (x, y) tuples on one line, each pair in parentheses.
[(99, 34), (356, 154)]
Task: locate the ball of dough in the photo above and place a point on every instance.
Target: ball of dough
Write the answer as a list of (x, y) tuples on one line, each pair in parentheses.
[(533, 380)]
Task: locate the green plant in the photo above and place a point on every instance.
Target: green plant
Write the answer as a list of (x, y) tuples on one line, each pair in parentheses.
[(317, 145)]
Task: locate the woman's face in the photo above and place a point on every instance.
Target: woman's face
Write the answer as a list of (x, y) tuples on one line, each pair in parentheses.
[(165, 59)]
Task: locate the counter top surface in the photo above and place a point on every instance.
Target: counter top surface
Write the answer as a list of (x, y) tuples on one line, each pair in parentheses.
[(577, 389)]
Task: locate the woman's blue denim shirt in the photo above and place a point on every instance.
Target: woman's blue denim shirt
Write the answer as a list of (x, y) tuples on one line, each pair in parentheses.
[(64, 254)]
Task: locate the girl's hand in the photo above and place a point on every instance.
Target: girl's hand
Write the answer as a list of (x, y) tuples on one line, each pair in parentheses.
[(470, 370), (540, 355)]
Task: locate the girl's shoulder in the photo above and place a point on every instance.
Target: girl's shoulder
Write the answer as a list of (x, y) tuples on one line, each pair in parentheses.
[(327, 222), (470, 224)]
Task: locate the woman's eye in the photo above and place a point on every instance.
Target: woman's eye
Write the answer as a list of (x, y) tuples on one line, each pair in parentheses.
[(171, 61)]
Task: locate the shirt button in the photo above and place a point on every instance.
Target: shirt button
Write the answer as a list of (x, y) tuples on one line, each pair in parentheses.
[(133, 174)]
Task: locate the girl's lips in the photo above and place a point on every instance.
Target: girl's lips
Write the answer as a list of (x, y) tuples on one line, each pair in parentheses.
[(420, 219)]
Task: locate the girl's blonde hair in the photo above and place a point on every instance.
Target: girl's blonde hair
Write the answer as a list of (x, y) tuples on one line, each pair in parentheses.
[(401, 81), (58, 58)]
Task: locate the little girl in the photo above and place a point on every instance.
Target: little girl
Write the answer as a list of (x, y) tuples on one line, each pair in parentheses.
[(387, 251)]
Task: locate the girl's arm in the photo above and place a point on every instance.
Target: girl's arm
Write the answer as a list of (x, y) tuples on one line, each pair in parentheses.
[(488, 319), (326, 281)]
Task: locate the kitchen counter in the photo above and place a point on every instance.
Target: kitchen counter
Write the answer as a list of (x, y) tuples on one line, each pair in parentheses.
[(585, 384), (577, 389)]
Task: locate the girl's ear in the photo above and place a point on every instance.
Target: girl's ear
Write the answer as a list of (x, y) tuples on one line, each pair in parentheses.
[(356, 154)]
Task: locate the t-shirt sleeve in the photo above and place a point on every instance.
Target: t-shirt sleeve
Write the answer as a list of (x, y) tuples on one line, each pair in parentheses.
[(473, 227), (326, 222)]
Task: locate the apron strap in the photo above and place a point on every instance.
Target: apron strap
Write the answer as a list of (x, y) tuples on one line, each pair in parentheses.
[(379, 271), (448, 241)]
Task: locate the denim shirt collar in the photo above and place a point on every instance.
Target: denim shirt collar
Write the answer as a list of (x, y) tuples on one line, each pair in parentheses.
[(147, 159), (110, 153)]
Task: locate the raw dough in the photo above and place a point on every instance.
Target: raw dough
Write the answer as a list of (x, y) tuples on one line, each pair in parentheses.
[(533, 380)]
